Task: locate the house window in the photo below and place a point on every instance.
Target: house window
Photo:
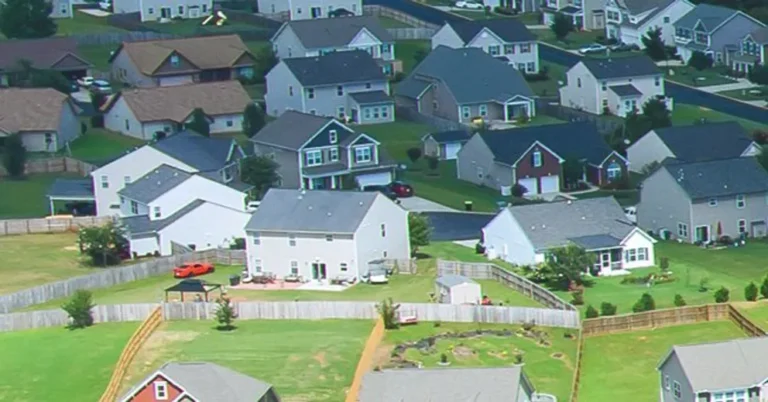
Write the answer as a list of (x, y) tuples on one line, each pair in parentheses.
[(104, 182), (314, 158), (333, 136), (578, 82), (657, 81), (257, 265), (713, 202), (666, 19), (701, 37), (367, 113), (613, 171), (127, 125), (604, 85), (676, 390), (666, 382), (127, 179), (294, 268), (465, 112), (493, 50), (480, 173), (367, 85), (737, 396), (682, 230), (333, 155), (536, 159), (521, 66), (525, 48), (340, 90), (509, 49), (230, 123), (385, 112), (157, 212), (310, 93), (298, 10), (290, 91), (313, 111), (383, 230), (328, 237), (256, 239), (341, 112), (161, 390), (531, 67), (181, 9), (642, 254), (742, 226), (292, 240), (363, 154), (205, 8), (605, 103), (630, 255), (175, 60), (483, 110), (151, 10), (343, 267), (134, 208), (741, 202)]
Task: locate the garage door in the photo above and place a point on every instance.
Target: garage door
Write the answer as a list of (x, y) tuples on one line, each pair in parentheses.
[(173, 81), (451, 150), (530, 185), (550, 184), (374, 179)]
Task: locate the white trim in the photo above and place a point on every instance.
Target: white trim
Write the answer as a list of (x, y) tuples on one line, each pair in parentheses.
[(626, 162), (312, 137), (361, 135), (541, 145), (737, 12), (637, 230), (357, 35), (134, 391), (490, 32)]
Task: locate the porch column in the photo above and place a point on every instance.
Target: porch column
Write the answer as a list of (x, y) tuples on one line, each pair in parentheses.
[(310, 184), (506, 112), (50, 200), (333, 183)]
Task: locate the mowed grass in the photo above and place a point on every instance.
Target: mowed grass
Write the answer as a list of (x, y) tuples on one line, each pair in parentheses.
[(99, 145), (757, 312), (82, 23), (98, 55), (622, 367), (407, 51), (59, 365), (684, 114), (303, 360), (25, 198), (550, 367)]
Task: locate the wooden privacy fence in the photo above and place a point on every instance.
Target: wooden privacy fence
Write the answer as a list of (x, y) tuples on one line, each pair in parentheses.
[(412, 33), (744, 323), (113, 276), (366, 360), (133, 346), (50, 225), (577, 371), (59, 318), (484, 270), (381, 11), (58, 164)]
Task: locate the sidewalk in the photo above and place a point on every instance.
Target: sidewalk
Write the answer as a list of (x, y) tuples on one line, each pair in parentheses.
[(741, 84)]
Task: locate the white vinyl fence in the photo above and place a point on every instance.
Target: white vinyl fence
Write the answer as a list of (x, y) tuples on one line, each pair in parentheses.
[(59, 318)]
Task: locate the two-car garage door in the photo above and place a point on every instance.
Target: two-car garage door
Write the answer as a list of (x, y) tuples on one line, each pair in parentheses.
[(541, 185)]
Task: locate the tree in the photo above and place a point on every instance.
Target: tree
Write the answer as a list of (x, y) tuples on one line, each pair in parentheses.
[(750, 292), (607, 309), (764, 288), (646, 303), (679, 301), (700, 61), (225, 315), (573, 172), (103, 244), (591, 312), (14, 156), (260, 171), (654, 44), (562, 25), (518, 190), (49, 79), (414, 154), (266, 60), (200, 123), (657, 114), (253, 119), (388, 312), (565, 266), (762, 158), (419, 231), (79, 309), (722, 295), (27, 19)]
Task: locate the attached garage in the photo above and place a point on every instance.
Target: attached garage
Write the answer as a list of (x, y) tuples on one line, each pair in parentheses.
[(374, 179), (175, 80), (530, 184), (550, 184)]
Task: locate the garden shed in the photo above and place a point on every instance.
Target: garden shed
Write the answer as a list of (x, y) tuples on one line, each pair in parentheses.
[(457, 289)]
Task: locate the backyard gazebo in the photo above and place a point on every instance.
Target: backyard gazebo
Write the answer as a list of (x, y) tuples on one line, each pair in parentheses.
[(193, 286)]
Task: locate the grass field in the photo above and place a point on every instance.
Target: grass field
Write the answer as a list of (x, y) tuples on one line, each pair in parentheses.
[(757, 312), (82, 23), (622, 367), (550, 367), (98, 55), (58, 365), (684, 114), (574, 40), (99, 145), (406, 50), (623, 197), (690, 76), (303, 360), (388, 22), (25, 198), (551, 86)]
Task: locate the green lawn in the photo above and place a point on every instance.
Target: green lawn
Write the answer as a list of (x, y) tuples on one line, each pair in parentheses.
[(753, 94), (622, 367), (684, 114), (56, 364), (82, 23), (398, 137), (574, 40), (188, 27), (733, 268), (407, 50), (99, 145), (303, 360), (690, 76), (549, 367), (25, 198), (551, 86), (623, 197), (98, 55), (256, 91), (388, 22)]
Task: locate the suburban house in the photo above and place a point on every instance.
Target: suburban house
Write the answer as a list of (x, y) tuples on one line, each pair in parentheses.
[(534, 156), (521, 6), (311, 9), (504, 38), (160, 63), (445, 145), (752, 51), (585, 14), (216, 158), (200, 381), (325, 235), (628, 21), (441, 86), (447, 385), (56, 54), (317, 152), (695, 143), (523, 234), (160, 10), (348, 85), (713, 30), (149, 113), (691, 373), (60, 8), (699, 202), (169, 205), (614, 85), (45, 118), (316, 37)]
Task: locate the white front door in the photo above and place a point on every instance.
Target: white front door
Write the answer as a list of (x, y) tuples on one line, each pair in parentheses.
[(550, 184), (530, 184)]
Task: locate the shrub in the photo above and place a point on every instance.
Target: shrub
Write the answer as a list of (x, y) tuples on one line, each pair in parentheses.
[(764, 287), (664, 264), (607, 309), (722, 295), (704, 284), (700, 61), (238, 244), (388, 312), (519, 190), (225, 315), (79, 309), (443, 358), (679, 301), (646, 303), (760, 136), (750, 292), (577, 297), (725, 240), (529, 325), (518, 358), (479, 248), (503, 11), (591, 312), (414, 153)]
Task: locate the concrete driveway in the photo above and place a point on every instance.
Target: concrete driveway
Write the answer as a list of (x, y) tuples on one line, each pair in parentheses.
[(418, 204)]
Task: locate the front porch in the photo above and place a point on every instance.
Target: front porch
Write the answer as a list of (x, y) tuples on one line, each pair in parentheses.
[(518, 107), (371, 107), (608, 262), (334, 182)]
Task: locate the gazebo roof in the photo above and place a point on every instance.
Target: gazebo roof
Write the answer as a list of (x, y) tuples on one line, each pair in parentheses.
[(192, 286)]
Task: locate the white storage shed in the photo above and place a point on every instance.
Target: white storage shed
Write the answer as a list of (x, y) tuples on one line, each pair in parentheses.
[(457, 289)]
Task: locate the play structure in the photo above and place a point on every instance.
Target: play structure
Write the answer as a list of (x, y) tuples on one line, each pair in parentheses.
[(218, 18)]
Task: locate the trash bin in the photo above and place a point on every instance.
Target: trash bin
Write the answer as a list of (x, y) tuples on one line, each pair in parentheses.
[(234, 280), (468, 205)]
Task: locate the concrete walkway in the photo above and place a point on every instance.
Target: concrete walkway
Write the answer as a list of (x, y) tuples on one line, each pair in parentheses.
[(418, 204), (742, 83)]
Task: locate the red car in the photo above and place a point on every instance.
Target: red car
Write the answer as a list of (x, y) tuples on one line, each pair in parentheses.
[(401, 189), (192, 269)]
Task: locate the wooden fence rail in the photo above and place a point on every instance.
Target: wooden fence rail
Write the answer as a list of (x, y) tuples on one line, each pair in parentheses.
[(55, 164), (50, 225), (749, 327), (59, 318), (577, 371)]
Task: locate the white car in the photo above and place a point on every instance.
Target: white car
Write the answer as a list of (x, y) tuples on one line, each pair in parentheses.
[(469, 5), (101, 87), (592, 48), (631, 213), (85, 81), (105, 5), (378, 279)]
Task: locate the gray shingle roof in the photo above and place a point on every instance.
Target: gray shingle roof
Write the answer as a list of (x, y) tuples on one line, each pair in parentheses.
[(71, 188), (709, 15), (620, 67), (594, 242), (636, 7), (703, 142), (336, 32), (335, 68), (554, 224), (453, 280), (508, 29), (197, 151), (371, 97), (481, 85), (728, 365), (760, 36), (142, 225), (291, 130), (625, 90), (451, 136), (412, 87), (154, 184), (284, 210), (442, 384), (719, 178)]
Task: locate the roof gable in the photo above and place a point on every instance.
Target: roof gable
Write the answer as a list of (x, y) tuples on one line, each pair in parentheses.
[(292, 130), (154, 184), (42, 53), (621, 67), (704, 142), (202, 153), (708, 16), (506, 29), (363, 139), (322, 33), (323, 136)]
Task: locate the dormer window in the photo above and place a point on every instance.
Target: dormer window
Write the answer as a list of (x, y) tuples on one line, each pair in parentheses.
[(333, 137), (363, 155), (536, 158), (340, 90), (161, 390), (175, 60)]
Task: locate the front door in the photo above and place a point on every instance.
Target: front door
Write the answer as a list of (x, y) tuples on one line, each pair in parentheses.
[(165, 12), (318, 271), (702, 234), (316, 12), (605, 260)]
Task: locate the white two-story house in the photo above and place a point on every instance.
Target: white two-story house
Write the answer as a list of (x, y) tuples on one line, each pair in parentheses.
[(311, 9), (628, 21), (585, 14), (155, 10), (504, 38), (350, 86), (753, 50), (616, 86), (325, 235)]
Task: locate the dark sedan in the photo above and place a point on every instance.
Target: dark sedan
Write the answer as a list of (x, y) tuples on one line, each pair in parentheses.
[(386, 190)]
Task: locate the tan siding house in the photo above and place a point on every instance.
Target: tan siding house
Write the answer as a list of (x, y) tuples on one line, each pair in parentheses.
[(45, 118)]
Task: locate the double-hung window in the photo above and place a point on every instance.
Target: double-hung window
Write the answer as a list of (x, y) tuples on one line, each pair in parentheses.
[(465, 112), (314, 158), (310, 93), (677, 390), (525, 48), (333, 155), (536, 158), (483, 110), (494, 50), (741, 201), (294, 268), (161, 390), (682, 230), (742, 226), (363, 154)]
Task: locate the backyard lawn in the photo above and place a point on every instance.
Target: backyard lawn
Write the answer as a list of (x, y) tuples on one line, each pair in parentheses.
[(99, 145), (622, 367), (188, 27), (757, 312), (684, 114), (98, 55), (25, 198), (388, 22), (551, 86), (752, 94), (407, 50), (549, 356), (47, 365), (303, 360), (690, 76), (623, 197), (574, 40), (82, 23)]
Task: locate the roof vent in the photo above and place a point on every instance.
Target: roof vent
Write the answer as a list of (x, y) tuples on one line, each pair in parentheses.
[(543, 226), (309, 207), (533, 227), (361, 203), (583, 218), (159, 182), (329, 214), (303, 191), (569, 202)]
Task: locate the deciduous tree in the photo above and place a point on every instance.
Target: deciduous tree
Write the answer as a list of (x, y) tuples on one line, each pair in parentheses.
[(561, 26), (253, 119), (657, 114), (654, 45), (419, 231), (79, 309), (103, 244), (565, 266), (260, 171), (26, 19), (14, 156), (700, 61), (225, 315), (200, 123)]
